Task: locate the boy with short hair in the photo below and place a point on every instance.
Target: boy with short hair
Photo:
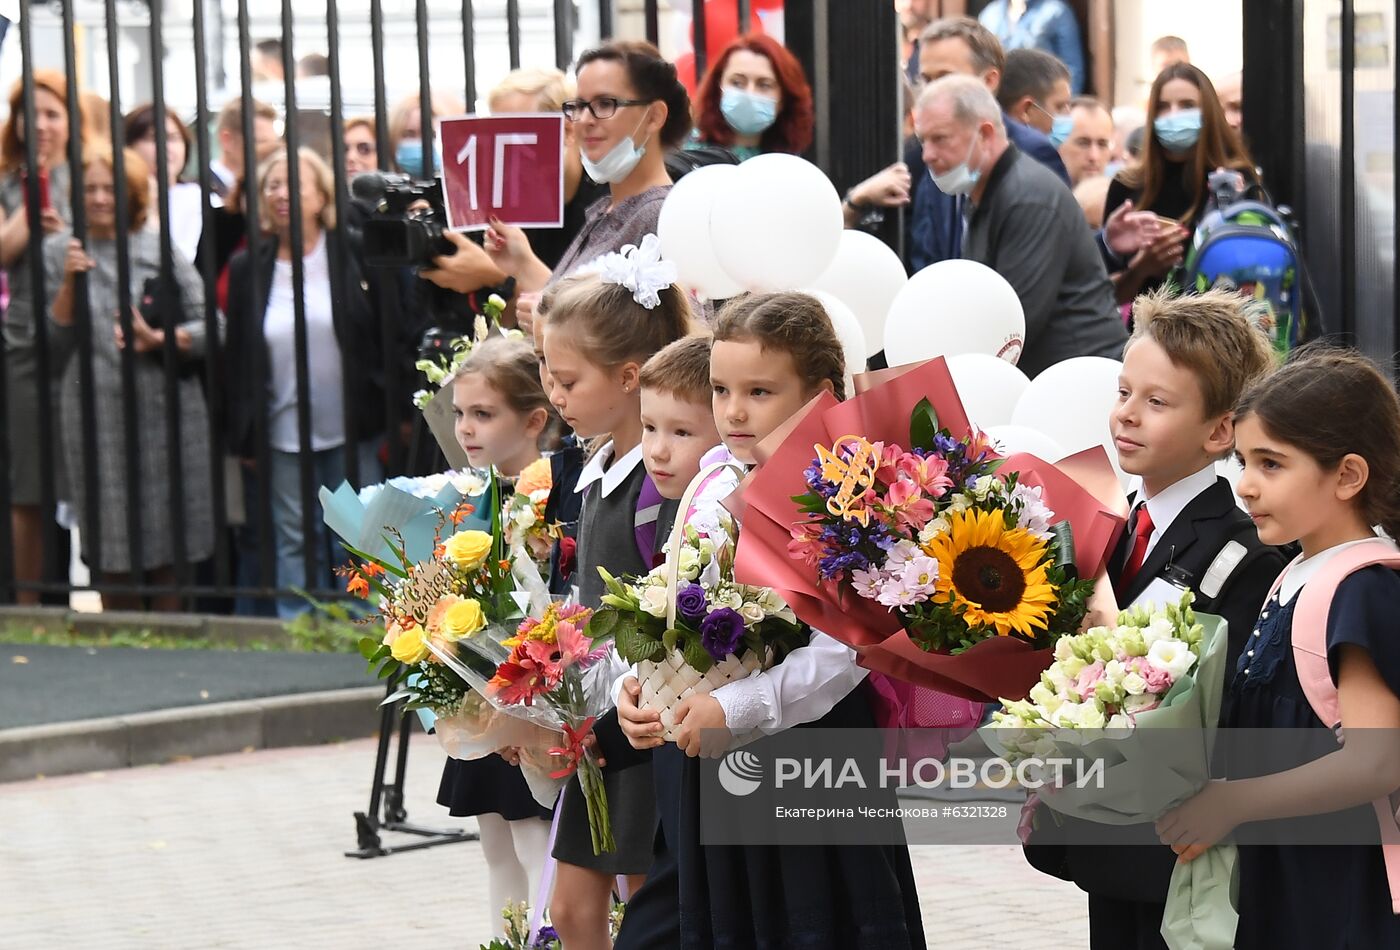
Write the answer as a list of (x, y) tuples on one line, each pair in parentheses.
[(1184, 368), (678, 421)]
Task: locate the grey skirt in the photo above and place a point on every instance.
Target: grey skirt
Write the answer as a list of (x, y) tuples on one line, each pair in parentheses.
[(24, 433), (632, 808)]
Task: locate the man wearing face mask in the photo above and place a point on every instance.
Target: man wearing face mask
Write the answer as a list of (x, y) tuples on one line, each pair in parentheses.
[(1034, 91), (1022, 222)]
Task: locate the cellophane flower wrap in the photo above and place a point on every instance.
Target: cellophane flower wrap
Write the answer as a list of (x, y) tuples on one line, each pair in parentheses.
[(718, 629), (889, 523), (472, 634), (1142, 698)]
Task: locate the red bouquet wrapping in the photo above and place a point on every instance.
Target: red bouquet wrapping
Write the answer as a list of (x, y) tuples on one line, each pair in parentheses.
[(893, 526)]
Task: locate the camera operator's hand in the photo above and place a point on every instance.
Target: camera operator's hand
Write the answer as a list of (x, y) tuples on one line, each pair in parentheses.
[(469, 269)]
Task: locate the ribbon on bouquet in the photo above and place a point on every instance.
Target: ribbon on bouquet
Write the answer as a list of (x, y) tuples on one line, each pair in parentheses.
[(573, 752)]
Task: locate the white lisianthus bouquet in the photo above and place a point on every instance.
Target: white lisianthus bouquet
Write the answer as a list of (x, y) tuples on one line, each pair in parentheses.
[(1109, 676), (1140, 701)]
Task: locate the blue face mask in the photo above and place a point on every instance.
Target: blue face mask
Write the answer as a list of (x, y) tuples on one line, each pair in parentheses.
[(1179, 131), (1060, 128), (747, 113), (409, 157)]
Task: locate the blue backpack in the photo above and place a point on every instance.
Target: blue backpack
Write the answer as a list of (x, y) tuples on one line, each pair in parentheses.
[(1248, 247)]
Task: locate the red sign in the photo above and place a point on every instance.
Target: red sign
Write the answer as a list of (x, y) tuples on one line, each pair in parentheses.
[(503, 166)]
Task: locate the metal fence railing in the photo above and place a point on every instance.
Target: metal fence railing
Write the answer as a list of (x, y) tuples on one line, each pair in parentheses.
[(179, 474)]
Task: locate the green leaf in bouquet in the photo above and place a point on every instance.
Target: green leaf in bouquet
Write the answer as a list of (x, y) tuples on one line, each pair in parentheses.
[(923, 425), (753, 642), (370, 648), (602, 625), (397, 570), (696, 655), (387, 669), (670, 638), (1064, 548), (614, 586), (633, 643)]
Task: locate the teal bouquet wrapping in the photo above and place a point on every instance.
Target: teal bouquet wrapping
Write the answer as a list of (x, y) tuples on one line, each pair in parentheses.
[(411, 507)]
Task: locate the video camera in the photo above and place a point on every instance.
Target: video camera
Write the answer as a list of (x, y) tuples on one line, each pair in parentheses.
[(396, 234)]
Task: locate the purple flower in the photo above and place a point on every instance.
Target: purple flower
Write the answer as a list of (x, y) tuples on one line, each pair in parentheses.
[(691, 602), (547, 937), (722, 632)]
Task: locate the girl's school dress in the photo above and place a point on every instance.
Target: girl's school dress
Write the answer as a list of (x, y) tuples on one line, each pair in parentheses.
[(1313, 897), (608, 537), (820, 897)]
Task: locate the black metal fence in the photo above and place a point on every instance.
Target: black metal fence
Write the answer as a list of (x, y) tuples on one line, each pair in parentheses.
[(77, 424)]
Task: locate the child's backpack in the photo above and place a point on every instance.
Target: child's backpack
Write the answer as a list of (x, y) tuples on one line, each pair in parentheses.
[(1315, 677), (1248, 246)]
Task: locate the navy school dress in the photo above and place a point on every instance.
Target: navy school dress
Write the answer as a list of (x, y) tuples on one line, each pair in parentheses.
[(490, 785), (769, 897), (1312, 897)]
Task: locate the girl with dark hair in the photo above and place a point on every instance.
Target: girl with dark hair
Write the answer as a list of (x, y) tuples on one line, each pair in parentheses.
[(772, 354), (1320, 444), (630, 109), (755, 99), (1185, 138)]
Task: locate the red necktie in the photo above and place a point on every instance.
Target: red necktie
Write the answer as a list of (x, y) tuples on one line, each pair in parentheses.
[(1142, 531)]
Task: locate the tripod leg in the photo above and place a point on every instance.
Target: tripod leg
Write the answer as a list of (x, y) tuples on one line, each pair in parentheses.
[(367, 823)]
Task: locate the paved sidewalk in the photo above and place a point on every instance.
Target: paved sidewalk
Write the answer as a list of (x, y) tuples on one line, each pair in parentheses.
[(245, 851)]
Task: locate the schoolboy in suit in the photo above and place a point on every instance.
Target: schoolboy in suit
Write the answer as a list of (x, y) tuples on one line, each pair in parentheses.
[(1187, 362)]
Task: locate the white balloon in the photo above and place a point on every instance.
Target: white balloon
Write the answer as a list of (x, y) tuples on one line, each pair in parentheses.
[(1012, 439), (866, 275), (1071, 401), (777, 226), (848, 331), (954, 307), (989, 387), (684, 230)]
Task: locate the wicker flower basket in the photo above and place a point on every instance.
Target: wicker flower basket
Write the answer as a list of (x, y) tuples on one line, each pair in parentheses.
[(667, 682), (670, 681)]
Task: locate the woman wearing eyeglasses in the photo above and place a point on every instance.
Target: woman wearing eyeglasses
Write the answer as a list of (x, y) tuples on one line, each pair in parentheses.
[(630, 109), (361, 150)]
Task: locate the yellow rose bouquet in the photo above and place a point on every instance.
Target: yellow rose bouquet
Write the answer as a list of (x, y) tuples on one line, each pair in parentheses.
[(470, 588)]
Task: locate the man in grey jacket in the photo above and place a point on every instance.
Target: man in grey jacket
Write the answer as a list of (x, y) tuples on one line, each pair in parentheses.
[(1023, 223)]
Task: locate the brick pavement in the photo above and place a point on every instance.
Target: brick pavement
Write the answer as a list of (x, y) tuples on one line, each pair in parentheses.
[(245, 851)]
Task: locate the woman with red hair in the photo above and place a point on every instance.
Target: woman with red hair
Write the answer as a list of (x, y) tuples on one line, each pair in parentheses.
[(755, 99)]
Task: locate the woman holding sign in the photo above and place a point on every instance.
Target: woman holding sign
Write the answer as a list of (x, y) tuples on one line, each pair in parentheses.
[(630, 109)]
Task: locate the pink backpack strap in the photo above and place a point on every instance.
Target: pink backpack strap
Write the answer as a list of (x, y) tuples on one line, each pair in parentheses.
[(1315, 676)]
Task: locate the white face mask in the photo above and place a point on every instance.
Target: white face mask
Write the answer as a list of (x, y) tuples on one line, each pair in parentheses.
[(620, 160), (960, 180)]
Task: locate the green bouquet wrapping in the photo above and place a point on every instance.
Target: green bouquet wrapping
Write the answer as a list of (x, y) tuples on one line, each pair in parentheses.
[(1137, 707)]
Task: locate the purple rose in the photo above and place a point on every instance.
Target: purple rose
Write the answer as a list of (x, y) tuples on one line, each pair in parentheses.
[(691, 603), (722, 632)]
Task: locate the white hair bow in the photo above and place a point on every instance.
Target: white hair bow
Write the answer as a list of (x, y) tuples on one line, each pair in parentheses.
[(639, 269)]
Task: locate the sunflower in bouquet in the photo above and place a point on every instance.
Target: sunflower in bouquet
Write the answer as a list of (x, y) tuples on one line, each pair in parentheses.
[(942, 534)]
